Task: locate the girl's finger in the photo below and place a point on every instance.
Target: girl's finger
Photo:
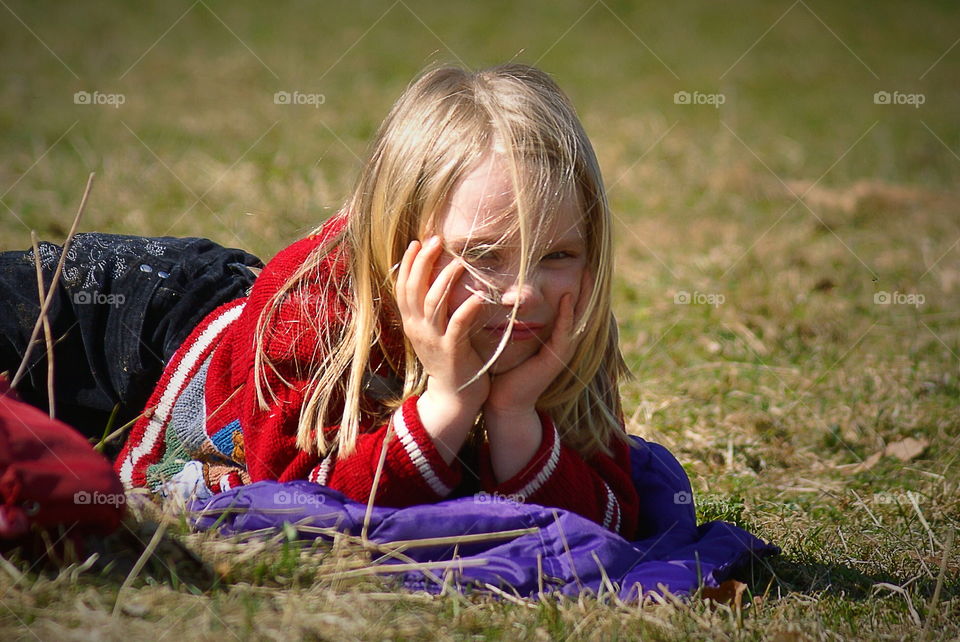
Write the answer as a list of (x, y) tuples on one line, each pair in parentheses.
[(554, 355), (403, 274), (462, 318), (435, 303), (562, 338), (586, 291), (567, 314), (419, 278)]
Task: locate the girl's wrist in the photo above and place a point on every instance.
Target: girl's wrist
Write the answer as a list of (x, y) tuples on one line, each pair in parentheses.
[(514, 437), (469, 399), (447, 420), (502, 415), (450, 404)]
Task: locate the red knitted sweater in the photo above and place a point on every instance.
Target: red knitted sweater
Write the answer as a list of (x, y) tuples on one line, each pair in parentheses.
[(251, 444)]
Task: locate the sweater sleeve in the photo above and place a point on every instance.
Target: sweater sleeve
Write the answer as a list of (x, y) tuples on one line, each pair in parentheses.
[(599, 488), (414, 472)]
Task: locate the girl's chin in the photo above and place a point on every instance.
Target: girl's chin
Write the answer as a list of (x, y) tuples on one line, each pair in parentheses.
[(507, 361)]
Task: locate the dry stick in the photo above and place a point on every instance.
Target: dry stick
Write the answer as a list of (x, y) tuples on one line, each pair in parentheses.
[(913, 500), (540, 576), (376, 485), (46, 326), (116, 433), (410, 563), (566, 547), (510, 598), (936, 591), (402, 568), (399, 555), (404, 544), (606, 580), (53, 285), (147, 552)]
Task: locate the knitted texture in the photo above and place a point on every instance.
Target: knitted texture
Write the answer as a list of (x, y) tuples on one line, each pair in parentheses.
[(146, 444), (252, 444), (186, 440)]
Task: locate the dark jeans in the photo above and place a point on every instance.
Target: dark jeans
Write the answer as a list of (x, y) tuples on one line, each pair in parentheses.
[(122, 307)]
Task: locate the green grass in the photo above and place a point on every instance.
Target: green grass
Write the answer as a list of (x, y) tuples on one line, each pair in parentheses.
[(768, 398)]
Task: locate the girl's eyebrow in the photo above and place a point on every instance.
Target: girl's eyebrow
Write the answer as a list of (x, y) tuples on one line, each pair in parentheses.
[(473, 240), (571, 237)]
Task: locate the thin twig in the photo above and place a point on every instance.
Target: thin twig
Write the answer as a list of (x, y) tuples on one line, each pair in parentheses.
[(402, 568), (606, 580), (510, 598), (376, 483), (402, 545), (342, 536), (147, 552), (540, 576), (116, 433), (906, 597), (53, 284), (931, 608), (916, 507), (47, 335), (566, 547)]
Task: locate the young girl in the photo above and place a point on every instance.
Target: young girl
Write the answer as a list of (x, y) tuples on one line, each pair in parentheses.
[(450, 326)]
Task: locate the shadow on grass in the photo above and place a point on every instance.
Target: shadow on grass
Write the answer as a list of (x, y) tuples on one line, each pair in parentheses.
[(783, 575), (109, 560)]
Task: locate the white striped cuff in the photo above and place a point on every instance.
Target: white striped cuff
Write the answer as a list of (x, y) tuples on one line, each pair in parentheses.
[(321, 472), (551, 465), (416, 455), (611, 515)]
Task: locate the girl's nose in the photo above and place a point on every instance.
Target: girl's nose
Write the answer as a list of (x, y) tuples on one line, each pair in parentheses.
[(527, 295)]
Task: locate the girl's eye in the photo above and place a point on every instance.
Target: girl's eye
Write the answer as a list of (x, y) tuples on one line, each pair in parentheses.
[(480, 254), (556, 256)]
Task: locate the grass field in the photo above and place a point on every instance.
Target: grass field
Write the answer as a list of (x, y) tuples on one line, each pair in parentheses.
[(810, 225)]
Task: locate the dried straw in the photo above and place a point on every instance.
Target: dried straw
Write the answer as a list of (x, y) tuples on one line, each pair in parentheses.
[(51, 400), (53, 285)]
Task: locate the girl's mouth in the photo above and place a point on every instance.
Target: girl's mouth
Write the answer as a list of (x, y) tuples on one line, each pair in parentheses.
[(520, 332)]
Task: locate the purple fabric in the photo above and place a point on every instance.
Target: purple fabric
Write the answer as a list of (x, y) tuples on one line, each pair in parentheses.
[(672, 552)]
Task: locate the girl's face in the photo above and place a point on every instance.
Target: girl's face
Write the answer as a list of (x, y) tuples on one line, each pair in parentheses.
[(471, 223)]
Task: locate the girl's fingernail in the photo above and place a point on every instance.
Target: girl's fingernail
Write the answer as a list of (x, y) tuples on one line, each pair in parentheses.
[(433, 241)]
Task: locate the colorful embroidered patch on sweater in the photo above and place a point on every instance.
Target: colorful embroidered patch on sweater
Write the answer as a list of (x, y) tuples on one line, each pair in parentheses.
[(170, 441)]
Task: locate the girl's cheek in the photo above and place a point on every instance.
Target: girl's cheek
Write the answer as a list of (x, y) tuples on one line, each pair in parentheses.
[(569, 281)]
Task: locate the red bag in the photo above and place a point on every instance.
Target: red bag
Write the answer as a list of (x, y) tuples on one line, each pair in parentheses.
[(51, 476)]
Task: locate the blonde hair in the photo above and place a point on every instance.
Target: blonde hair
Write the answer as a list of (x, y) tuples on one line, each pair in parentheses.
[(442, 126)]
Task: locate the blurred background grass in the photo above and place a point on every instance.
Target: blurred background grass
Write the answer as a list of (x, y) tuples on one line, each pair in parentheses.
[(766, 396)]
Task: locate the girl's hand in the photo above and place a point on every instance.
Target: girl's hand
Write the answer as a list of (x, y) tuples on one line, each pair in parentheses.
[(515, 392), (440, 339)]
